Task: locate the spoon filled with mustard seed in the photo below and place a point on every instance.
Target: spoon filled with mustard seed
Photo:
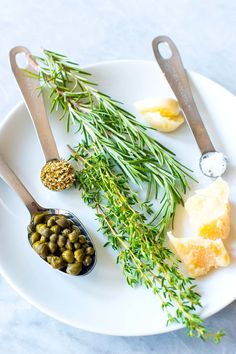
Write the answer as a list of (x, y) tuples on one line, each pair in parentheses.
[(57, 174), (56, 235)]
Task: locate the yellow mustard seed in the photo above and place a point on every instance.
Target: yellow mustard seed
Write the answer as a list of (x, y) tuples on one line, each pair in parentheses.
[(57, 175)]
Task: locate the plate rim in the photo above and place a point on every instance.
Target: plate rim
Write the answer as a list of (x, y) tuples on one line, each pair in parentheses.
[(30, 300)]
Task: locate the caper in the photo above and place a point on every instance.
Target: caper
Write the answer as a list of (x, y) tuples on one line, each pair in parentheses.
[(61, 241), (68, 256), (76, 228), (43, 239), (35, 245), (62, 249), (52, 246), (35, 236), (77, 245), (69, 222), (65, 231), (38, 218), (47, 217), (73, 236), (79, 255), (49, 258), (30, 228), (87, 261), (74, 268), (51, 221), (53, 237), (55, 229), (62, 221), (69, 245), (57, 262), (40, 227), (84, 246), (42, 250), (46, 232), (89, 250), (82, 239)]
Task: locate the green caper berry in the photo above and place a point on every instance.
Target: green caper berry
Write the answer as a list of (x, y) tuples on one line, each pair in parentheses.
[(61, 241), (65, 231), (68, 256), (85, 245), (80, 258), (51, 221), (55, 229), (74, 268), (52, 246), (57, 262), (30, 228), (62, 222), (78, 252), (89, 250), (42, 250), (46, 232), (43, 239), (40, 227), (70, 222), (47, 217), (77, 229), (38, 218), (82, 239), (77, 245), (73, 236), (49, 258), (79, 255), (35, 245), (69, 245), (53, 237), (35, 236), (87, 261)]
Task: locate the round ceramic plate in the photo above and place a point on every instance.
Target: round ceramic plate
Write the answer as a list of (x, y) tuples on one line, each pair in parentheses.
[(102, 301)]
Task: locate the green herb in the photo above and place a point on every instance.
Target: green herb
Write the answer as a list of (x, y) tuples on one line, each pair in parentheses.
[(115, 132), (115, 151)]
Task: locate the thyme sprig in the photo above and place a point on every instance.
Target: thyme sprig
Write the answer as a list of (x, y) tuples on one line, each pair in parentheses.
[(114, 151), (144, 258)]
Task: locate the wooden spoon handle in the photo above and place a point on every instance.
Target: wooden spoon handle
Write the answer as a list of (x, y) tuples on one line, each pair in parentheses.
[(173, 69), (29, 87), (13, 181)]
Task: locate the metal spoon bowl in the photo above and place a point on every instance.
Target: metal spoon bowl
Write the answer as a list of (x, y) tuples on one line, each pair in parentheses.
[(213, 169), (14, 182)]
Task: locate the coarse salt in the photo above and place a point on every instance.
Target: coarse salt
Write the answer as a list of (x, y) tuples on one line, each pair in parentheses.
[(213, 164)]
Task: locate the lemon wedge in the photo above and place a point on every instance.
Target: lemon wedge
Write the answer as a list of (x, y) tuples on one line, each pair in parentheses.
[(199, 255), (209, 210), (163, 114)]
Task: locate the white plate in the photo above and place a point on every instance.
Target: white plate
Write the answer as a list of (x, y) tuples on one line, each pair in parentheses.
[(102, 301)]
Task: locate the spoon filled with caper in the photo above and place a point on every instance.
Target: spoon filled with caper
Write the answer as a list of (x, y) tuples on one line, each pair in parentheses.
[(57, 174), (56, 235)]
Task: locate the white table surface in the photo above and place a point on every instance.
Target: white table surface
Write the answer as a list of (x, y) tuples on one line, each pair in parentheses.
[(92, 31)]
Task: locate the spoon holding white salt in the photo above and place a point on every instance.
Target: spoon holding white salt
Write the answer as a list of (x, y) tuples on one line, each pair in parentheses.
[(212, 163)]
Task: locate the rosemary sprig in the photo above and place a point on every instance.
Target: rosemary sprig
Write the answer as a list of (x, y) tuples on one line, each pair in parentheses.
[(115, 150), (115, 131)]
